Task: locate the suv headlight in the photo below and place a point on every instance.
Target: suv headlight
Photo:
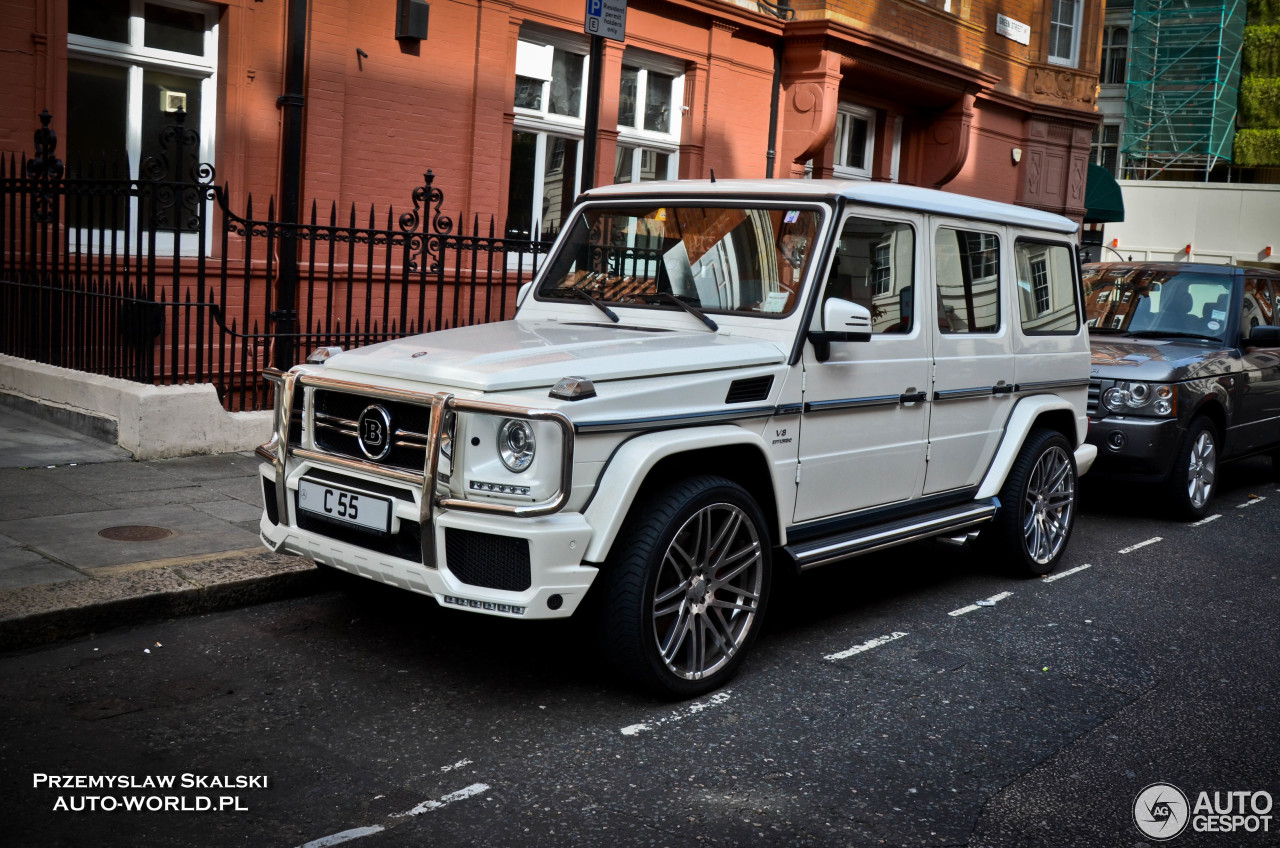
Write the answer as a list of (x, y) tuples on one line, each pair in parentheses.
[(516, 444), (1141, 398)]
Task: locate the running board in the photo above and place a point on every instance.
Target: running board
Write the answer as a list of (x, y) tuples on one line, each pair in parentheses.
[(829, 549)]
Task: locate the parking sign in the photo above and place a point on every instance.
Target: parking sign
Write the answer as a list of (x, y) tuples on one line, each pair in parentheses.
[(607, 18)]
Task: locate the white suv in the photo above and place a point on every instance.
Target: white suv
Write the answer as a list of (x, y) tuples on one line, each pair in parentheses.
[(706, 381)]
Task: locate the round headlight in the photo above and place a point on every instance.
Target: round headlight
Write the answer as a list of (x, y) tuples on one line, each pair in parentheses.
[(1116, 399), (1139, 393), (516, 444), (1163, 407)]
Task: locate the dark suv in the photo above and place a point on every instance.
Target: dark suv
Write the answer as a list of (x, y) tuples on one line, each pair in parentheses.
[(1185, 375)]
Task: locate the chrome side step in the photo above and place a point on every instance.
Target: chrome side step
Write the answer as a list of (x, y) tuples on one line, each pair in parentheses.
[(944, 522)]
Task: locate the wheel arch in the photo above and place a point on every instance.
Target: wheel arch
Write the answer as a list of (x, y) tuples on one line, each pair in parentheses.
[(655, 459), (1048, 412)]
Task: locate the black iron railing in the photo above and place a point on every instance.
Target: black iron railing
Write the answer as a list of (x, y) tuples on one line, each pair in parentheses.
[(157, 280)]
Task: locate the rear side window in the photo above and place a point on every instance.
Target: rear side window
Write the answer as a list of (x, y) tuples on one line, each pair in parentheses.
[(1258, 305), (1046, 288), (967, 265)]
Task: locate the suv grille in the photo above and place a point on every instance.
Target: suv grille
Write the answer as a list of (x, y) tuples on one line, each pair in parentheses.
[(336, 415)]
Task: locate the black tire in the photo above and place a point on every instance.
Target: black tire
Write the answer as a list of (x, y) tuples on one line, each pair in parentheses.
[(1037, 506), (667, 579), (1194, 479)]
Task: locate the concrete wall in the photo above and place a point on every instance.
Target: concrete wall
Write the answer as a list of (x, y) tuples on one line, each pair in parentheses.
[(151, 422), (1223, 223)]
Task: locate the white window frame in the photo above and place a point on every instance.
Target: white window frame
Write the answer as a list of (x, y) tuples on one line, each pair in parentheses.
[(137, 58), (845, 115), (534, 57), (638, 137), (1056, 23)]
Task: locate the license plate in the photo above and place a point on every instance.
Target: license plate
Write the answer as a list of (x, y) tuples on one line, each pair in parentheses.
[(345, 505)]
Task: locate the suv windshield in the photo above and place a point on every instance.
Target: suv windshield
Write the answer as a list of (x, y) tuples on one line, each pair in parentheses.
[(725, 259), (1151, 302)]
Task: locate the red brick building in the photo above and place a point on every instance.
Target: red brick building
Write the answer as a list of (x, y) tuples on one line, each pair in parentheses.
[(988, 98)]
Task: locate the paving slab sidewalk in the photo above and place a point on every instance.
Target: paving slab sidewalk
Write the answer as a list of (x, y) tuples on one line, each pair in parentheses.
[(90, 539)]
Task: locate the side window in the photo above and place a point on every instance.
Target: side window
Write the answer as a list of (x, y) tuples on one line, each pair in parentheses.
[(1046, 287), (1258, 307), (967, 265), (874, 266)]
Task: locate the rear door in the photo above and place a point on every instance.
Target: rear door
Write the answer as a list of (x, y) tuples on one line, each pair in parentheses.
[(1259, 418), (974, 377)]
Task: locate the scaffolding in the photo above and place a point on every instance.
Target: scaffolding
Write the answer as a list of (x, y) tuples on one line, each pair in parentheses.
[(1182, 86)]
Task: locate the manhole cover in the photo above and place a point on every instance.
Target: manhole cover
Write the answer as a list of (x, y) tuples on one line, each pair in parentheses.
[(135, 533)]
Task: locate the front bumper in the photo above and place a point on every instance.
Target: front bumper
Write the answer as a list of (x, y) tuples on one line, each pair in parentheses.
[(1134, 448), (466, 574)]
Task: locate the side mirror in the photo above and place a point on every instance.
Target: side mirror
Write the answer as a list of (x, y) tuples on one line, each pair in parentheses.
[(1267, 335), (523, 293), (842, 321)]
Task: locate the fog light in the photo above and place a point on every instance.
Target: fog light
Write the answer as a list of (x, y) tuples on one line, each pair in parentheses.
[(1116, 440), (555, 602)]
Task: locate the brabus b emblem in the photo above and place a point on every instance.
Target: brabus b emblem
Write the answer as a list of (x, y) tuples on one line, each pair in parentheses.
[(374, 430)]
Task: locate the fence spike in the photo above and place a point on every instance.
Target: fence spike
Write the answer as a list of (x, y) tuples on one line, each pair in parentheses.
[(373, 221), (333, 213)]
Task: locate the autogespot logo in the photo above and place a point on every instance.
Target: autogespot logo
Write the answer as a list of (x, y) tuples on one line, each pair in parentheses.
[(1160, 811)]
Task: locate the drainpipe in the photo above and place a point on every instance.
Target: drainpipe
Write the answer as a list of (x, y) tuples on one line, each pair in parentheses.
[(293, 129), (783, 11)]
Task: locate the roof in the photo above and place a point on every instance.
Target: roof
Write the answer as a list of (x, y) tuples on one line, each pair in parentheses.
[(891, 195)]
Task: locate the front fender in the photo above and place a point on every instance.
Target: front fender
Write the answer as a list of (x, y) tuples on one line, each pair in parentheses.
[(630, 466), (1020, 423)]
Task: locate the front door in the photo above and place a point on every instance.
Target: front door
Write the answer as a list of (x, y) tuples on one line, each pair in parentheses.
[(1259, 417), (865, 418)]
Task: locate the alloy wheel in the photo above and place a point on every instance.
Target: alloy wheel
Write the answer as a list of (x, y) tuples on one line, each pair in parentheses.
[(1049, 504), (1202, 470)]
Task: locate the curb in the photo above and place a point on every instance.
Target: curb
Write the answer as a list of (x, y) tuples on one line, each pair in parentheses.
[(32, 616)]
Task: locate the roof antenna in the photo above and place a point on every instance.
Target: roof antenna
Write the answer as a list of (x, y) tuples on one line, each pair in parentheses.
[(713, 175)]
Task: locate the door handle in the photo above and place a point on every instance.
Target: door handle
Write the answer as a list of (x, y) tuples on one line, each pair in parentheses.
[(1003, 389), (913, 397)]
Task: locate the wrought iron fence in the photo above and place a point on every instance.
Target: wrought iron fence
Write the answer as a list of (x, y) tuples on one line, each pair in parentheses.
[(157, 280)]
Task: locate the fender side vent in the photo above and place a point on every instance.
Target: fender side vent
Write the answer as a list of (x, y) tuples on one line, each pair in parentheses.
[(753, 388)]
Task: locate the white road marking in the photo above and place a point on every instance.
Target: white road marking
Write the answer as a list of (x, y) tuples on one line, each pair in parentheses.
[(458, 764), (431, 804), (1253, 500), (1202, 521), (1067, 573), (866, 646), (986, 602), (1133, 548), (345, 836), (679, 715)]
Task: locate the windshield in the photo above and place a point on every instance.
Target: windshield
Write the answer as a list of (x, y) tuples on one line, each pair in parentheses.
[(725, 259), (1149, 302)]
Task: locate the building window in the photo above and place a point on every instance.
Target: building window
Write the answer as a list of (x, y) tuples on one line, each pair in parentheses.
[(546, 143), (855, 142), (131, 65), (1115, 55), (1064, 32), (1105, 150), (649, 98)]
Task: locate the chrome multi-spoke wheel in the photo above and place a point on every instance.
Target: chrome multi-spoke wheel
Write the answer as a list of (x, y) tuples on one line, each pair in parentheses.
[(1037, 506), (707, 591), (686, 586), (1195, 471), (1201, 470), (1049, 505)]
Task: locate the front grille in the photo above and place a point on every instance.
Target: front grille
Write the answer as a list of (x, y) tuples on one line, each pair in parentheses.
[(1095, 394), (336, 415), (489, 561)]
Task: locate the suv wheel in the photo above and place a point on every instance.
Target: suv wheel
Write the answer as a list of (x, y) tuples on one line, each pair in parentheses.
[(1195, 471), (686, 587), (1038, 505)]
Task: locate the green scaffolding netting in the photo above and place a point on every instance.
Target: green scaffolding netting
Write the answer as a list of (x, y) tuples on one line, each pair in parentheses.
[(1182, 84)]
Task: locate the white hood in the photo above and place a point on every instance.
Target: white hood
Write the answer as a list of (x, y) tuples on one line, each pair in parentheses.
[(531, 354)]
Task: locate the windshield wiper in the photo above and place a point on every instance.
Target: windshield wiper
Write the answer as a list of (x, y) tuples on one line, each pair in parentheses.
[(687, 307), (1173, 334), (579, 293)]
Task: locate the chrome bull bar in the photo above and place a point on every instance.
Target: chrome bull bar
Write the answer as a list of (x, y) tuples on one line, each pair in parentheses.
[(277, 451)]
